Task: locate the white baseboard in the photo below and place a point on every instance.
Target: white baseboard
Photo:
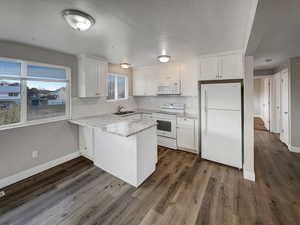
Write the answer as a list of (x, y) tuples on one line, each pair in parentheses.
[(35, 170), (294, 149), (249, 175)]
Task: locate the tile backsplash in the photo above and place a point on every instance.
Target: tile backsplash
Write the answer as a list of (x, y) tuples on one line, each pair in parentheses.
[(84, 107), (191, 103)]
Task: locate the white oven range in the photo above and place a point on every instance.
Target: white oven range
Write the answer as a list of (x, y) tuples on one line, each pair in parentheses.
[(167, 124)]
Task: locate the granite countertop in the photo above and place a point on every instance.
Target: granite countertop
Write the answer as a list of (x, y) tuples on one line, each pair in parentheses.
[(123, 126)]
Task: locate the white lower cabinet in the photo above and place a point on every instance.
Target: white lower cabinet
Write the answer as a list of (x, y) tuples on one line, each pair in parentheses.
[(147, 116), (86, 146), (187, 134)]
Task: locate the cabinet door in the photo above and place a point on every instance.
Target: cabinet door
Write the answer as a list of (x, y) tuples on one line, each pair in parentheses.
[(231, 66), (86, 145), (103, 71), (185, 138), (150, 79), (169, 71), (92, 78), (209, 68), (189, 79), (186, 133), (138, 83)]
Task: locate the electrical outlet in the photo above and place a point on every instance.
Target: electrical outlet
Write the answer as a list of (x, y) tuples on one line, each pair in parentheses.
[(35, 154), (2, 194)]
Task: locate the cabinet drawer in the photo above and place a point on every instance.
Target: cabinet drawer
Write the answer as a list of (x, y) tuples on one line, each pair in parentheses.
[(185, 122), (147, 116), (134, 117)]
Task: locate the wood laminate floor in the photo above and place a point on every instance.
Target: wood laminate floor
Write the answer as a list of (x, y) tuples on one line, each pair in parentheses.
[(183, 190)]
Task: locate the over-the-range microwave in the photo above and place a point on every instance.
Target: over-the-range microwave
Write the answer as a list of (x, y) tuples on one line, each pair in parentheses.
[(169, 87)]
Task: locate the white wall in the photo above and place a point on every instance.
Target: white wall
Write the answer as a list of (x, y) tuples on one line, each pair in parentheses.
[(85, 107), (154, 103), (248, 168)]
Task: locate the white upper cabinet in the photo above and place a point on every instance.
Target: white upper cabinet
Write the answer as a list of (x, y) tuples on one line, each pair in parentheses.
[(222, 67), (145, 81), (92, 77), (209, 68), (231, 66), (189, 78), (138, 82), (168, 71)]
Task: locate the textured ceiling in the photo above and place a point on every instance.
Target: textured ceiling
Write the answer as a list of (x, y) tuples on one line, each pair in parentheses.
[(132, 30), (276, 33)]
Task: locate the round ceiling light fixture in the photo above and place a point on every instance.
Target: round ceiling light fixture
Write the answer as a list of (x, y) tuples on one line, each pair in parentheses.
[(78, 20), (125, 65), (164, 58)]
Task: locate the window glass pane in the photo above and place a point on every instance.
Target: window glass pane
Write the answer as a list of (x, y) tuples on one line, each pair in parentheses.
[(10, 100), (46, 72), (45, 99), (121, 87), (10, 68), (110, 87)]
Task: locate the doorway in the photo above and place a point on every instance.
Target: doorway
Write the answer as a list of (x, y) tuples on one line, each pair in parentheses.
[(262, 101)]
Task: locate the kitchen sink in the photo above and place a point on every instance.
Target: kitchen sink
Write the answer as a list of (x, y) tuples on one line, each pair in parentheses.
[(124, 113)]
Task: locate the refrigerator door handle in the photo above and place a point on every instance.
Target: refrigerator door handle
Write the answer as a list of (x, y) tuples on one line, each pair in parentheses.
[(205, 111)]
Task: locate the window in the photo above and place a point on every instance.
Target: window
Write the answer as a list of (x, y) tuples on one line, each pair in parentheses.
[(117, 87), (32, 93)]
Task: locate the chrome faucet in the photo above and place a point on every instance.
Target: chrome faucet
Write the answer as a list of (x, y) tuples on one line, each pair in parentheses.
[(120, 108)]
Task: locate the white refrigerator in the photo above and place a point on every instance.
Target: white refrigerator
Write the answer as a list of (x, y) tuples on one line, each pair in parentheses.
[(221, 123)]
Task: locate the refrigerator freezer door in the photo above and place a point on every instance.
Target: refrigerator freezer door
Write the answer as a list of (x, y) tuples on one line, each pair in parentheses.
[(222, 137), (225, 96)]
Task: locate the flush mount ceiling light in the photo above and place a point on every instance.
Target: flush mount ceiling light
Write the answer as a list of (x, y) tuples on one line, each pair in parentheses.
[(78, 20), (164, 58), (125, 65)]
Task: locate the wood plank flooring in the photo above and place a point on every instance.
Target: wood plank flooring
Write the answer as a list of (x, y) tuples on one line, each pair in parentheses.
[(183, 190)]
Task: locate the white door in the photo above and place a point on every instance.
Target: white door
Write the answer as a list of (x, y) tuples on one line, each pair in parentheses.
[(221, 121), (284, 134), (277, 103), (266, 103), (223, 96)]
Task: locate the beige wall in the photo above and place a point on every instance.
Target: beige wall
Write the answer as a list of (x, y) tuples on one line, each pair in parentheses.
[(52, 140), (294, 71)]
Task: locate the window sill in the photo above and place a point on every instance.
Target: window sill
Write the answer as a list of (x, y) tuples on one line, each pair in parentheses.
[(32, 123), (117, 100)]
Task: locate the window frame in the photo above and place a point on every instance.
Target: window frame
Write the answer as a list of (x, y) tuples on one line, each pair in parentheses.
[(23, 78), (116, 98)]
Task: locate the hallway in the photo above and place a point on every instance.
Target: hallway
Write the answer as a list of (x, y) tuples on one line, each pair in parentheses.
[(277, 181)]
